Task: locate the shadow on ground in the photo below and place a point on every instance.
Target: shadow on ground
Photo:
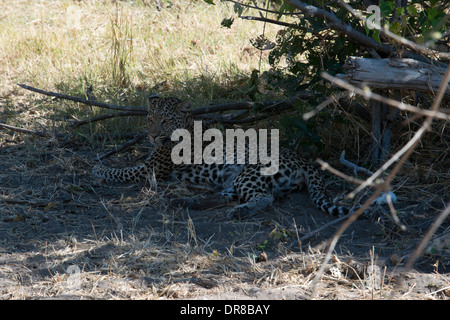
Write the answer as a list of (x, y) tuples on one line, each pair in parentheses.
[(64, 235)]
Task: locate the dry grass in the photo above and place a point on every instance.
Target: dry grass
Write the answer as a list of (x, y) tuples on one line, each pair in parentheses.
[(128, 243), (124, 50), (126, 45)]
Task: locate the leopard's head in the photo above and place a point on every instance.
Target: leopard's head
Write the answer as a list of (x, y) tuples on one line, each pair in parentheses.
[(165, 115)]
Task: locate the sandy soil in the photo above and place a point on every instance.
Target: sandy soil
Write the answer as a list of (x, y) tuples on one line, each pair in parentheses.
[(64, 235)]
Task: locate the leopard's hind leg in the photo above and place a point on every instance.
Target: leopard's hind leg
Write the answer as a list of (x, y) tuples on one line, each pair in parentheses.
[(254, 192)]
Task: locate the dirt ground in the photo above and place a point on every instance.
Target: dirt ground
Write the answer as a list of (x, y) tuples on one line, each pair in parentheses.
[(64, 235)]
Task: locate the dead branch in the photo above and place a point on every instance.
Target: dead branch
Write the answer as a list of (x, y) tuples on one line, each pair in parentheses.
[(267, 106), (337, 24), (44, 133), (390, 74), (23, 130), (223, 107), (81, 100), (77, 123), (368, 94)]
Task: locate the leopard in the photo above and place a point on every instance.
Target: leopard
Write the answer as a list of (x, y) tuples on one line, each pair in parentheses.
[(253, 190)]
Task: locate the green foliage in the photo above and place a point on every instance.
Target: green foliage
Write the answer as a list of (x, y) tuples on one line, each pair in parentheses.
[(418, 21), (310, 46), (300, 133), (227, 22)]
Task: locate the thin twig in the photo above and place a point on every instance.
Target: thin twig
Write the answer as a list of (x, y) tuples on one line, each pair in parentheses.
[(333, 99), (385, 185), (439, 220), (127, 144), (280, 23), (311, 233), (368, 94), (326, 166), (260, 9)]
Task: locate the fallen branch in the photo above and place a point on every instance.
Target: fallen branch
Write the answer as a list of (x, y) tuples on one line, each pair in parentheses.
[(77, 123), (33, 132), (390, 74), (267, 107), (22, 130), (81, 100)]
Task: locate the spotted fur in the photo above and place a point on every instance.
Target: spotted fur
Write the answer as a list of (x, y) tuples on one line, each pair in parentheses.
[(254, 190)]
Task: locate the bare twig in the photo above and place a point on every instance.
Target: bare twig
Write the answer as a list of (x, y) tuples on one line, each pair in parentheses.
[(311, 233), (368, 94), (127, 144), (333, 99), (404, 153), (280, 23), (326, 166), (259, 8)]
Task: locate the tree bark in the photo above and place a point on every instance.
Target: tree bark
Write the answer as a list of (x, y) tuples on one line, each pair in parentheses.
[(394, 74)]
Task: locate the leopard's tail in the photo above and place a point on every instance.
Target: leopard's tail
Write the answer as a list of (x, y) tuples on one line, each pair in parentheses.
[(130, 174), (318, 195)]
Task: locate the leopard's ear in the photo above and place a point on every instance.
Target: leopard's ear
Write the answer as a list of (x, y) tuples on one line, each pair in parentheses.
[(152, 99), (185, 106)]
